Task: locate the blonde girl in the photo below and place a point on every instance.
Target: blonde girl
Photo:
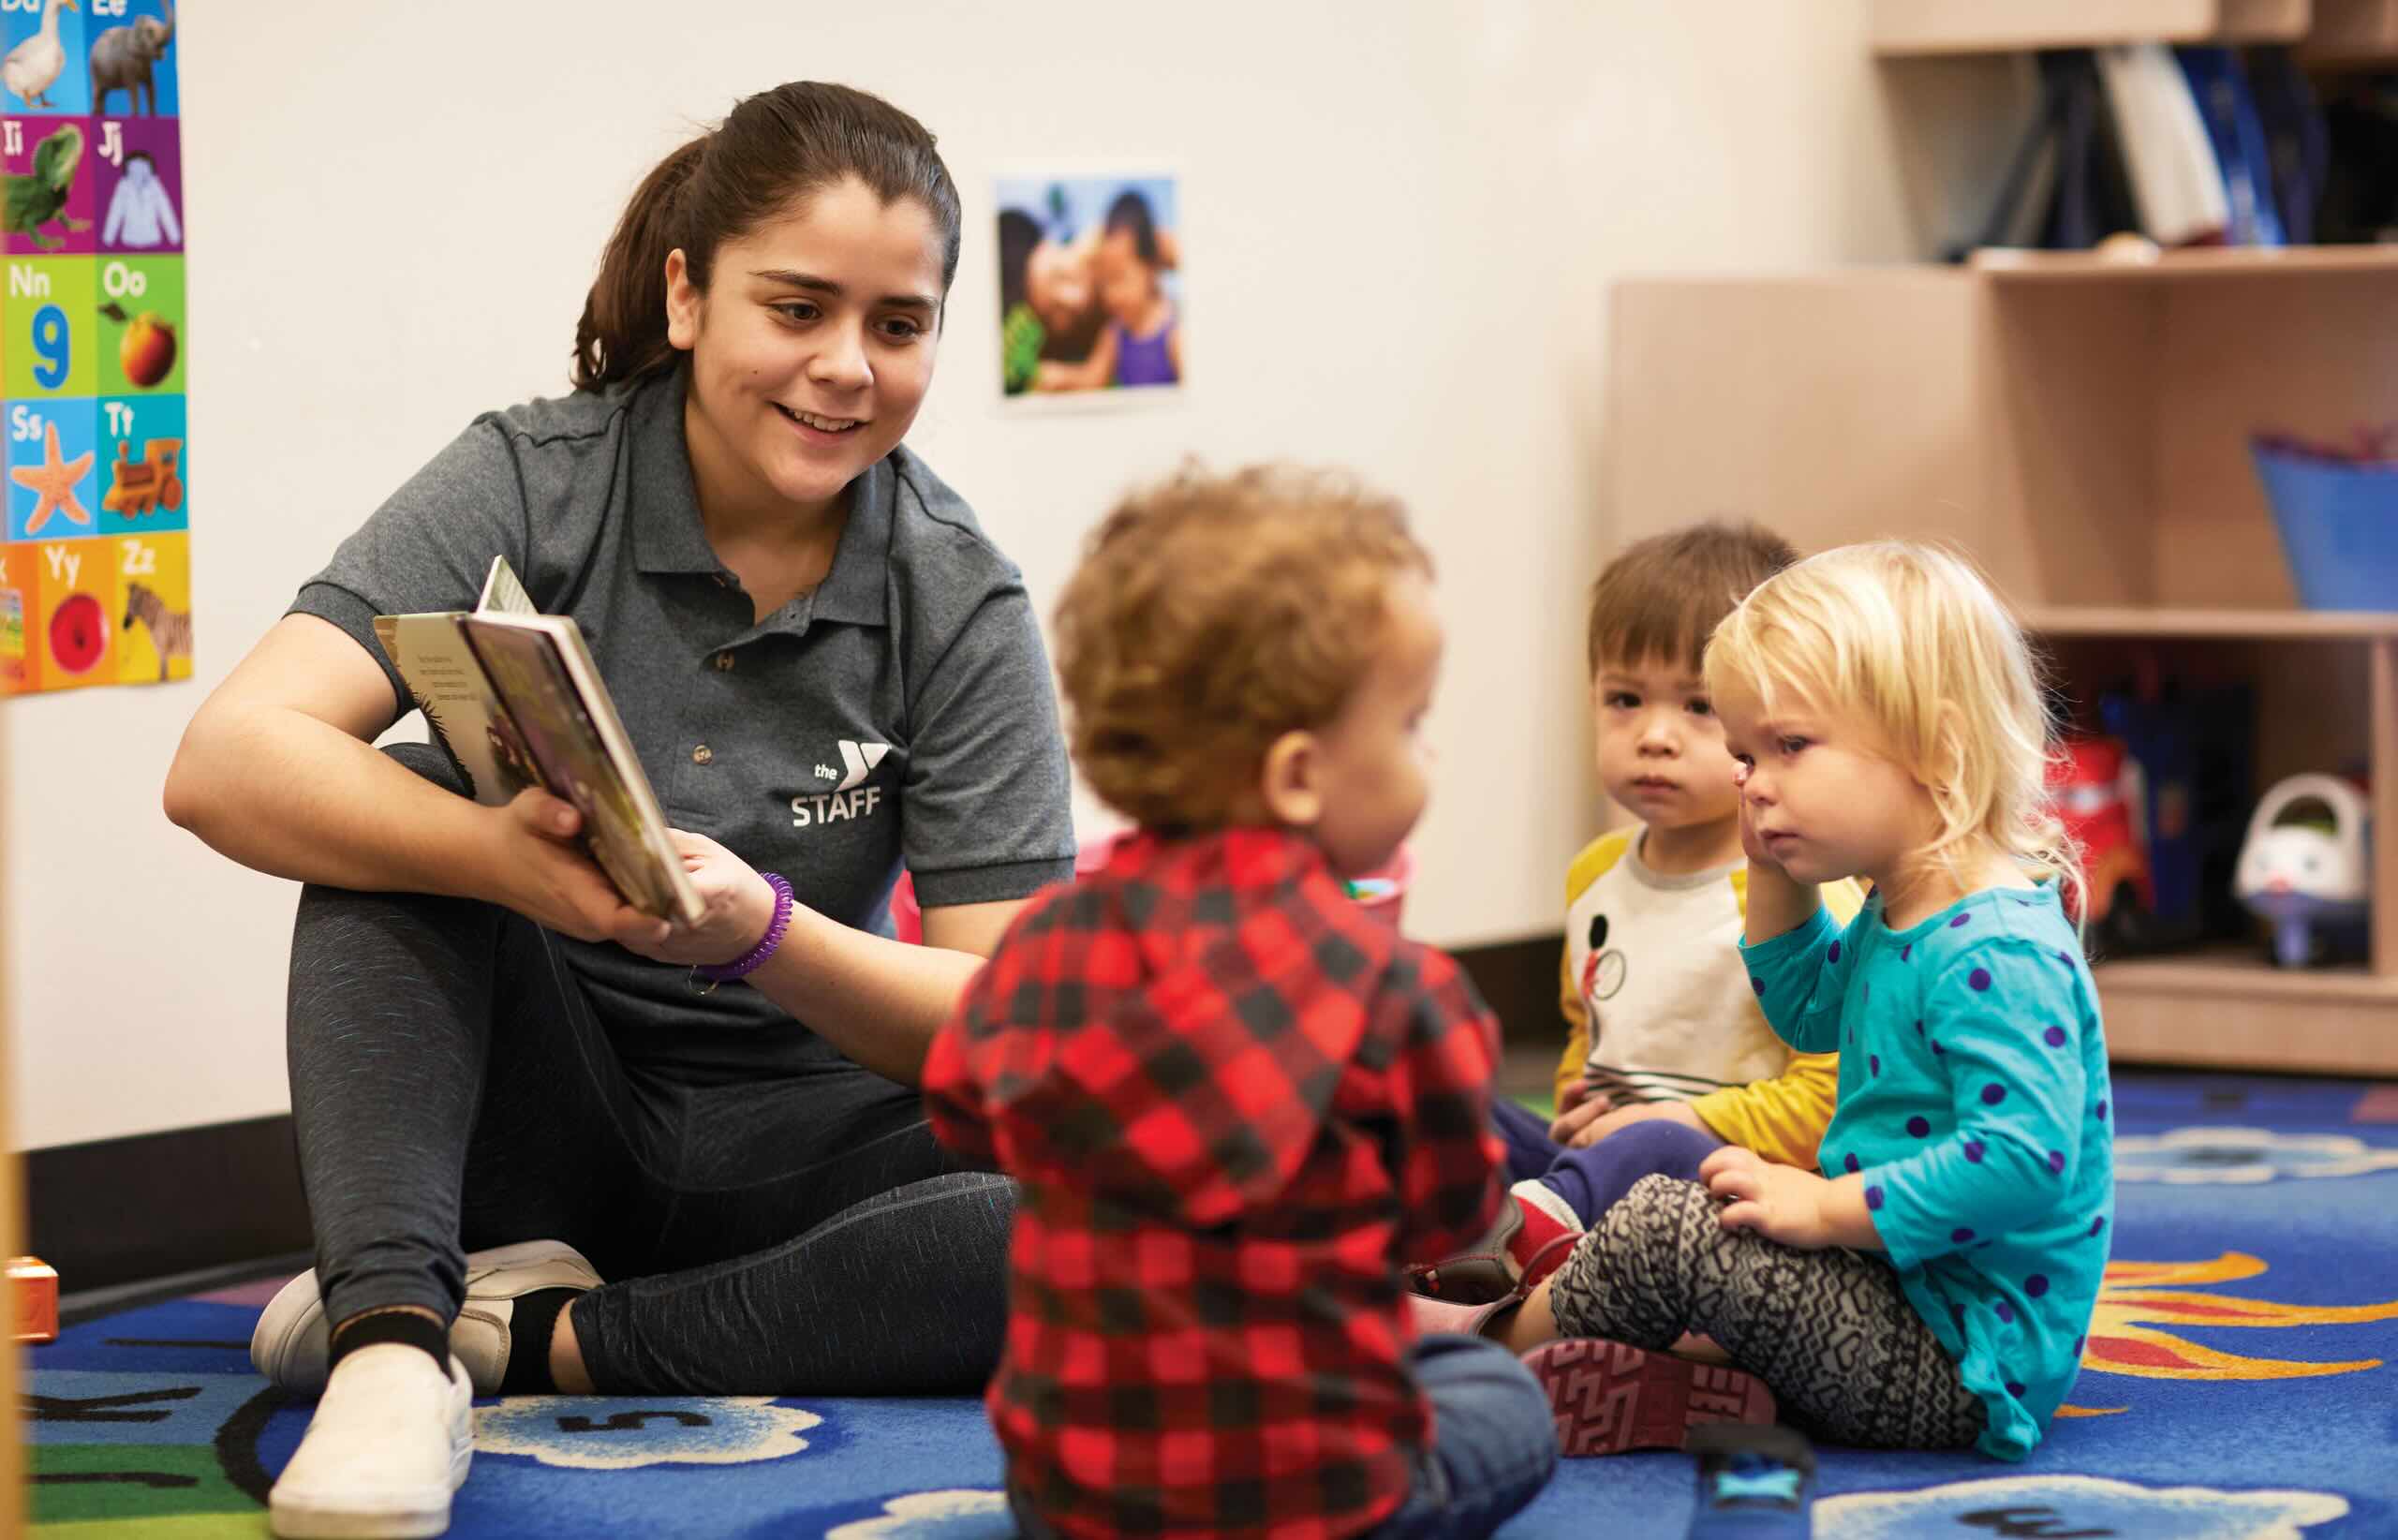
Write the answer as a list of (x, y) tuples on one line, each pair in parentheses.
[(1932, 1286)]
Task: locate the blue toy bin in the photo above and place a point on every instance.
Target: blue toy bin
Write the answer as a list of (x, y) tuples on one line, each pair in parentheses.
[(2338, 520)]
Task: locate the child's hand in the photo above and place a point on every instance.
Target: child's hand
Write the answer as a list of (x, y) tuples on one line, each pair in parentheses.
[(1780, 1202), (1576, 1091), (1595, 1123)]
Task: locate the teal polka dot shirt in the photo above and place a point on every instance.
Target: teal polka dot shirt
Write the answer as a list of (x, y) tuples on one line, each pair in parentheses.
[(1973, 1102)]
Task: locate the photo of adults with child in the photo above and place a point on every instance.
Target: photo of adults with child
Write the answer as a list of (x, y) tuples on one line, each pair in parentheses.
[(1089, 284)]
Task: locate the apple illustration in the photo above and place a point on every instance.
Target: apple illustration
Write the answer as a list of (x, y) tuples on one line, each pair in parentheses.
[(147, 350)]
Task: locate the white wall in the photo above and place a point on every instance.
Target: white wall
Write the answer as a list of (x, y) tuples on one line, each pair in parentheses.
[(1400, 222)]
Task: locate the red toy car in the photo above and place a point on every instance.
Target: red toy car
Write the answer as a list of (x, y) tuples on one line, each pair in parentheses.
[(2098, 792)]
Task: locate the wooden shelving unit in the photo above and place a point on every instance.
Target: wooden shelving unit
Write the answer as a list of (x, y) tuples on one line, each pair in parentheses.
[(2081, 428), (1901, 28), (2220, 625), (2348, 33), (2327, 34), (2005, 265), (2327, 1021)]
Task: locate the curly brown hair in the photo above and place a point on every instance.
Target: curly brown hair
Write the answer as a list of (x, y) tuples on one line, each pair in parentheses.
[(1209, 616)]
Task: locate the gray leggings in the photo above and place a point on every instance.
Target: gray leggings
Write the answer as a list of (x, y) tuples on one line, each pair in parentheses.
[(792, 1232), (1829, 1332)]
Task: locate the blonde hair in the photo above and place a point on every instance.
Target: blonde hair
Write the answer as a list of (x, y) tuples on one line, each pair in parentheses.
[(1209, 616), (1909, 639)]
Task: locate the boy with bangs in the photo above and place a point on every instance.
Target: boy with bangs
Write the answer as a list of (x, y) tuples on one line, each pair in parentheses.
[(1233, 1100)]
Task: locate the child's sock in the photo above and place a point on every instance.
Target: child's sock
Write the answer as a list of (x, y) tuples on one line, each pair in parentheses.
[(1547, 1218)]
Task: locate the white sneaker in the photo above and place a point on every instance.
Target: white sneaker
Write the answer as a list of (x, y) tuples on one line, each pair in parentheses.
[(290, 1345), (390, 1441)]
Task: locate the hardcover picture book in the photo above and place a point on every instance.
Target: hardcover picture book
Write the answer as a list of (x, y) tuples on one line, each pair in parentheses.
[(514, 698)]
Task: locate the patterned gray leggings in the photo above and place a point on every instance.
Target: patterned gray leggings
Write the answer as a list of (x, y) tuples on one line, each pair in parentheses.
[(1829, 1332)]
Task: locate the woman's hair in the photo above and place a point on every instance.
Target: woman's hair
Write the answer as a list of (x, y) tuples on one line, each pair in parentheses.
[(1131, 213), (1908, 639), (1209, 616), (775, 150)]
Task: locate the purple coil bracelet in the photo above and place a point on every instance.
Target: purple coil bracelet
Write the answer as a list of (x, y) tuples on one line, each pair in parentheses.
[(749, 962)]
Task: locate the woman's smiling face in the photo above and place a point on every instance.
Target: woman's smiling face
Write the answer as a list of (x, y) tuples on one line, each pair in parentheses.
[(812, 346)]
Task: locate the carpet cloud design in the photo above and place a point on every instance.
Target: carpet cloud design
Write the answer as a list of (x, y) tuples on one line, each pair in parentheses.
[(2204, 1156), (2062, 1505), (626, 1433), (961, 1515)]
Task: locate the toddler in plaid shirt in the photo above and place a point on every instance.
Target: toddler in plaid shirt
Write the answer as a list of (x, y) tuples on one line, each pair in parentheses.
[(1236, 1101)]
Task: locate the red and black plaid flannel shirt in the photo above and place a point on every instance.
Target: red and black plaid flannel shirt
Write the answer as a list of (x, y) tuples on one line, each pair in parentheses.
[(1235, 1102)]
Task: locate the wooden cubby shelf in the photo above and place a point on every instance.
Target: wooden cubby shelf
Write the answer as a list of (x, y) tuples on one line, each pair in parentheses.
[(1905, 27), (2353, 32), (2223, 625), (2242, 972), (2081, 428), (2008, 265), (2253, 1016)]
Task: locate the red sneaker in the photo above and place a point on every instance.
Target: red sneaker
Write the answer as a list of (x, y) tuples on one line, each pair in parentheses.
[(1519, 1249), (1609, 1397), (1533, 1247)]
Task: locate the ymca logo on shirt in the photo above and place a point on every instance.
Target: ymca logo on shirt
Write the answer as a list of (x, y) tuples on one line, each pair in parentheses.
[(852, 798)]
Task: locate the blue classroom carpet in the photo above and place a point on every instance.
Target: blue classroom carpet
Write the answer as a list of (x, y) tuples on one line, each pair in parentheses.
[(2238, 1387)]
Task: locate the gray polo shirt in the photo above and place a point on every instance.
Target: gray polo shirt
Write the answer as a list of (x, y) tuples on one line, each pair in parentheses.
[(900, 711)]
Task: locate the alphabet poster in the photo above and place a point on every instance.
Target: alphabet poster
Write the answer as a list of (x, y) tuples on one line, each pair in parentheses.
[(95, 564)]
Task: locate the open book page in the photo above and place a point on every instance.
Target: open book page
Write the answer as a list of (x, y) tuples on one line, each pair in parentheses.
[(503, 594), (538, 666), (464, 717), (448, 686)]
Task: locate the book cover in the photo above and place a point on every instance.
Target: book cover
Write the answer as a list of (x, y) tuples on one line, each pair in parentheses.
[(2220, 87), (541, 673), (512, 696), (2175, 178)]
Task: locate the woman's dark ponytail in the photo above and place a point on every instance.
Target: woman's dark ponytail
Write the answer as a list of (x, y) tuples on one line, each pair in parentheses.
[(622, 334)]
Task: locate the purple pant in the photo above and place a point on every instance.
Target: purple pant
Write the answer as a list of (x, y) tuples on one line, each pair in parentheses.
[(1594, 1179)]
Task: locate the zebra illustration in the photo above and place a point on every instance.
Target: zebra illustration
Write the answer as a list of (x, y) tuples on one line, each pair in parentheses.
[(169, 629)]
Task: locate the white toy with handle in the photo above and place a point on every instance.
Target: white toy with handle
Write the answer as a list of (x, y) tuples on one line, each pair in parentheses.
[(2301, 878)]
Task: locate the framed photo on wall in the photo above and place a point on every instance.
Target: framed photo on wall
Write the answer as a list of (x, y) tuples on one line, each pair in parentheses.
[(1090, 286)]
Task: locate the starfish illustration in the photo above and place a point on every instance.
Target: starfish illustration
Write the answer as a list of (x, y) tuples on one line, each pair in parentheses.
[(55, 481)]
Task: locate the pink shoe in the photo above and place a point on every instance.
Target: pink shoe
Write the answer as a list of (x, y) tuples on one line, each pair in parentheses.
[(1428, 1316), (1609, 1397)]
